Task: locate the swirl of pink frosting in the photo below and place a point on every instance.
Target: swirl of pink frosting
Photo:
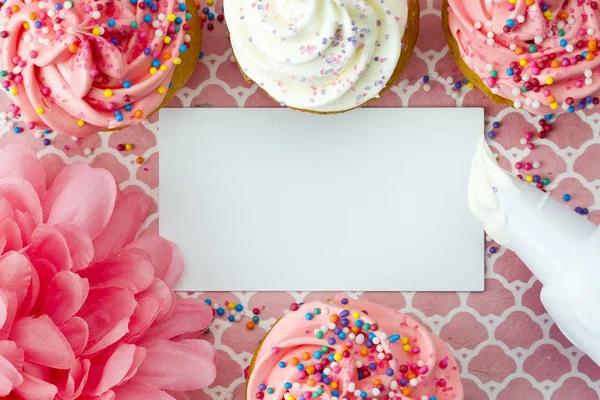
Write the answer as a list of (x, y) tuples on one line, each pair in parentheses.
[(78, 67), (541, 55), (348, 349)]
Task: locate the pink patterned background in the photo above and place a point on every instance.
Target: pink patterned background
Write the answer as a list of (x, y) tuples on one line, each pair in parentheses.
[(505, 342)]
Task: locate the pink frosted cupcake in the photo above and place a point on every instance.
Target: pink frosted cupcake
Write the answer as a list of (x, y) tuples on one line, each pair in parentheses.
[(348, 349), (538, 55), (86, 66)]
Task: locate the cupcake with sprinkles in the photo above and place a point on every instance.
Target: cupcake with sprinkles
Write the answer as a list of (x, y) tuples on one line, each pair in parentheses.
[(79, 67), (323, 56), (347, 349), (531, 54)]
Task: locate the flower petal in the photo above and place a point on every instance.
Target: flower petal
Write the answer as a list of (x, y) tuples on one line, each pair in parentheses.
[(132, 391), (107, 373), (11, 236), (166, 259), (203, 347), (145, 313), (16, 274), (42, 342), (70, 383), (65, 296), (21, 196), (130, 212), (10, 300), (12, 353), (79, 244), (3, 309), (10, 378), (41, 274), (62, 180), (76, 332), (20, 160), (190, 318), (34, 388), (87, 202), (175, 366), (107, 312), (130, 269), (47, 243)]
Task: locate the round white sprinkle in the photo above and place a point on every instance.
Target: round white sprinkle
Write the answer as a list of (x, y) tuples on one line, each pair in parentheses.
[(520, 19), (523, 141), (513, 46), (51, 13), (560, 25), (494, 90), (87, 151), (414, 382), (477, 25), (525, 77), (359, 364), (490, 35), (27, 38), (391, 395), (536, 164), (420, 363), (489, 67), (490, 42), (538, 39), (376, 341), (517, 104), (237, 318), (516, 92), (588, 81), (38, 134), (571, 21), (590, 31), (381, 356), (528, 101), (45, 30), (67, 5), (161, 17), (569, 48), (435, 75), (376, 392), (588, 73), (455, 95), (96, 14), (17, 70), (296, 385), (535, 104), (155, 24), (427, 87), (158, 33), (46, 42), (450, 80)]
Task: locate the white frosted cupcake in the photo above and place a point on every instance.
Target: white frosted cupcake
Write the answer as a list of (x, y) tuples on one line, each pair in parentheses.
[(323, 56)]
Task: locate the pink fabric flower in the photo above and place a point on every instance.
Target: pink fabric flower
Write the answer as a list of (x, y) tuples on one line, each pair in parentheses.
[(86, 310)]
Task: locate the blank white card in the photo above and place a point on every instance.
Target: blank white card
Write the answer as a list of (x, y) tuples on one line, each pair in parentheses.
[(274, 199)]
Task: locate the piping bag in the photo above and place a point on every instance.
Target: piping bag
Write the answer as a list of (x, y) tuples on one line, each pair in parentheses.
[(560, 247)]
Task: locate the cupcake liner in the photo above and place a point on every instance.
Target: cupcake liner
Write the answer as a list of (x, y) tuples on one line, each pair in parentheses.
[(471, 75), (409, 41)]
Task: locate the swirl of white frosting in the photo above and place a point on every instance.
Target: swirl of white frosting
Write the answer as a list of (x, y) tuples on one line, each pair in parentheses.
[(318, 55)]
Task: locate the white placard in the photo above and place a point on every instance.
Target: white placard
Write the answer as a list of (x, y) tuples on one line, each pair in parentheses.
[(274, 199)]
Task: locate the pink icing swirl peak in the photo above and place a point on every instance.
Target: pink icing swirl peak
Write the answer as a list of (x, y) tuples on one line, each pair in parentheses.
[(85, 66), (541, 55), (350, 350)]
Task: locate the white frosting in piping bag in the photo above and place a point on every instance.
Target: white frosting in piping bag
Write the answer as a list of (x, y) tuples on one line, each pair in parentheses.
[(487, 177), (319, 55)]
